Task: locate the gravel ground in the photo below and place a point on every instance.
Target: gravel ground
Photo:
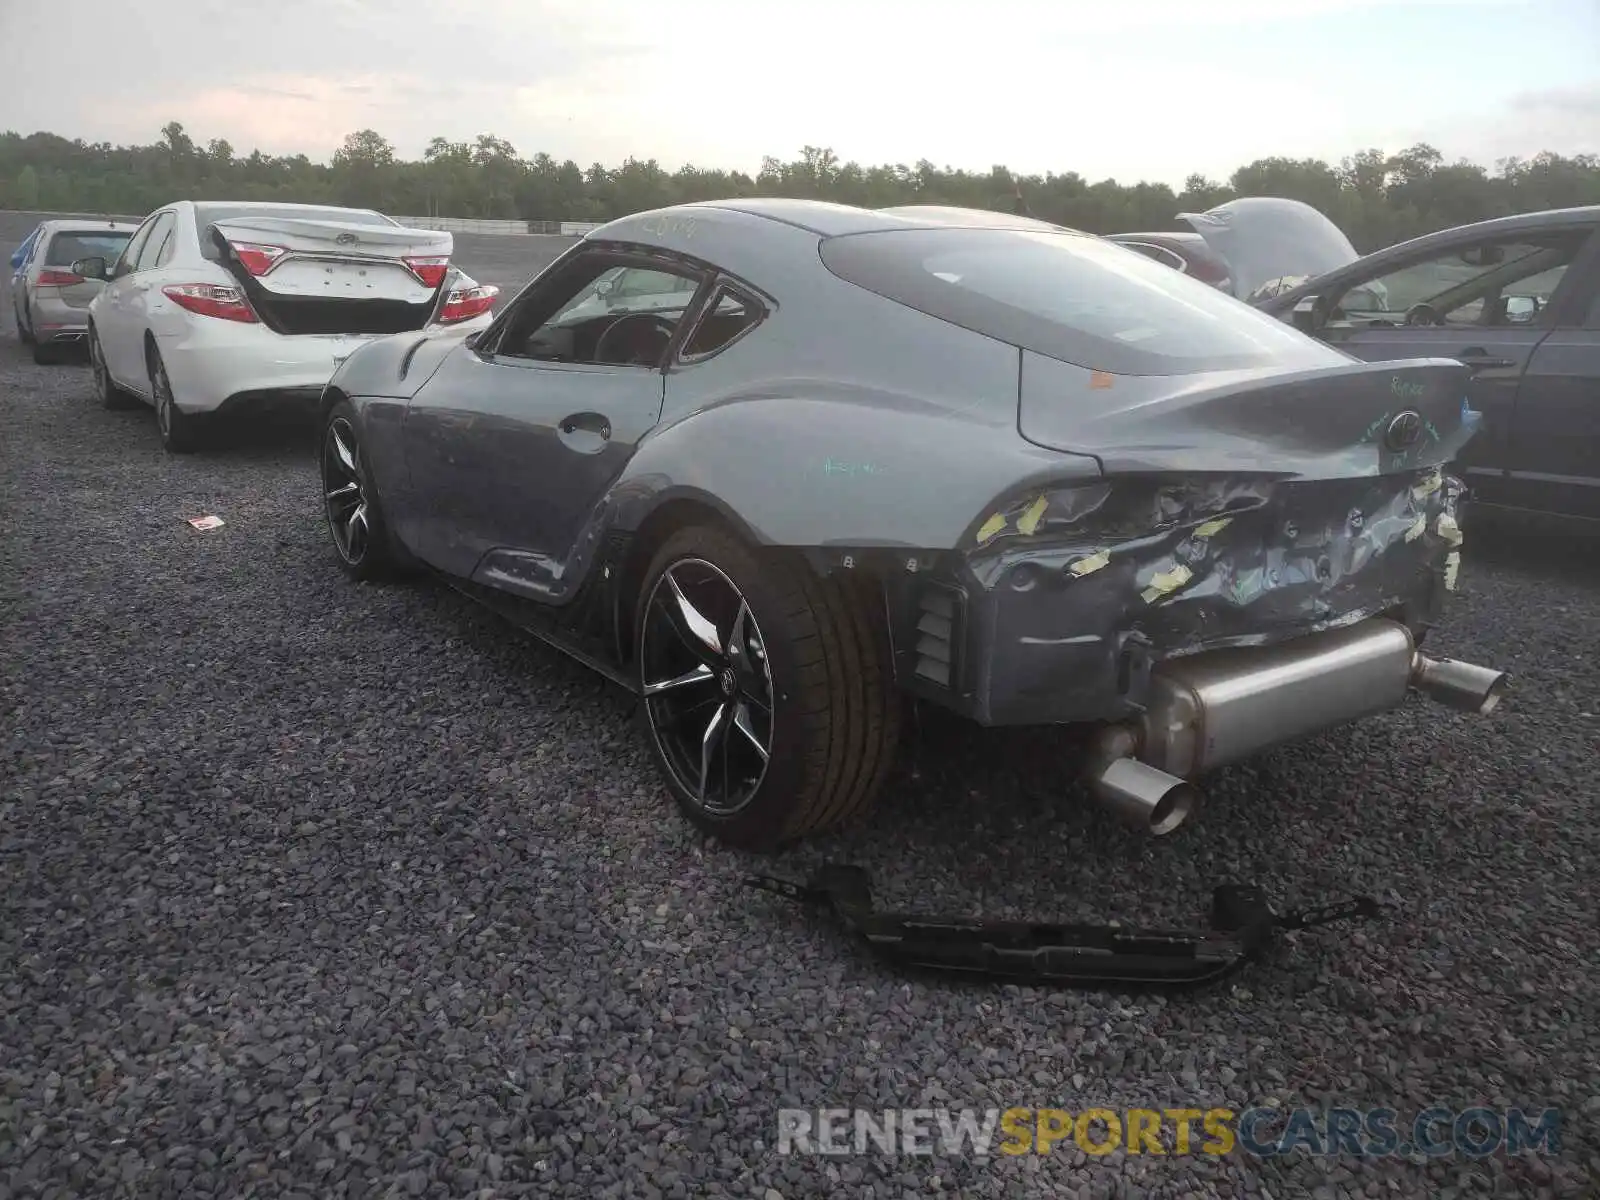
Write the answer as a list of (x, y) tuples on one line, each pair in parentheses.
[(320, 889)]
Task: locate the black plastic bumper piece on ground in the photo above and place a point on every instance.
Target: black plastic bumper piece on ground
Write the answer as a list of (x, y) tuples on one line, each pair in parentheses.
[(1243, 926)]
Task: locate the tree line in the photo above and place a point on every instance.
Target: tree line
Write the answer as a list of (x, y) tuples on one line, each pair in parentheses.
[(1377, 198)]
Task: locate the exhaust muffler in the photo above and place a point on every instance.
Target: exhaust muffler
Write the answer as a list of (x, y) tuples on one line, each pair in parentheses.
[(1459, 685), (1217, 708), (1139, 795)]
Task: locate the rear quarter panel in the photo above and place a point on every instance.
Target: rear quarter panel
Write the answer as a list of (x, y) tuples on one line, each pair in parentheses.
[(844, 419)]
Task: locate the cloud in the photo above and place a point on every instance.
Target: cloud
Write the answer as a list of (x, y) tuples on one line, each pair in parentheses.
[(1149, 89)]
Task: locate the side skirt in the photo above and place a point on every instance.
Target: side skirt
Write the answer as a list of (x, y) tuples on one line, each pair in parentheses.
[(586, 629)]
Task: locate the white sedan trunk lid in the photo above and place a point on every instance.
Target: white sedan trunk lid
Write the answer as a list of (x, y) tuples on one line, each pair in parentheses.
[(338, 260)]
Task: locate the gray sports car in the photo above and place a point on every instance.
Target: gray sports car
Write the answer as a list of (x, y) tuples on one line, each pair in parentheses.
[(768, 463)]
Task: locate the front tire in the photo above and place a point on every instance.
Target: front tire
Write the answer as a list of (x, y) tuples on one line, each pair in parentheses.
[(767, 690), (350, 501), (180, 431), (105, 388)]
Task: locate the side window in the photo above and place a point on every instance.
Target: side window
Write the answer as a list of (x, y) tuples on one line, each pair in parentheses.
[(159, 233), (1491, 284), (169, 245), (601, 308), (135, 245), (730, 315)]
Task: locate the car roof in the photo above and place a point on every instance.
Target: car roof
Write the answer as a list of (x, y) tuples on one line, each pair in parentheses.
[(1534, 222), (1177, 237), (837, 220), (86, 225)]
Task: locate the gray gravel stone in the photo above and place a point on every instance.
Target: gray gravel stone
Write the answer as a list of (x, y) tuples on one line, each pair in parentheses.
[(315, 888)]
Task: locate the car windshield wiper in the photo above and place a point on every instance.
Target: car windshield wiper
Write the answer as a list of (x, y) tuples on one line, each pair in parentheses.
[(1243, 927)]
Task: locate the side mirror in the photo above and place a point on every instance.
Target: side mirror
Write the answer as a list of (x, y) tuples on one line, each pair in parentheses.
[(90, 268), (1483, 256), (1520, 310), (1308, 314), (472, 339)]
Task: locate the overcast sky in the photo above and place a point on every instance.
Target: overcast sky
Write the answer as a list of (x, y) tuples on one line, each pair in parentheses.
[(1132, 89)]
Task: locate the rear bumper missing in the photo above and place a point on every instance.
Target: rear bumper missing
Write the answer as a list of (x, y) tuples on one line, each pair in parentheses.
[(1215, 709)]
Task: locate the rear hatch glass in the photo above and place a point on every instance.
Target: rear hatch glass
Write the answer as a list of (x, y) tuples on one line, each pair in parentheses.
[(1072, 297), (68, 246)]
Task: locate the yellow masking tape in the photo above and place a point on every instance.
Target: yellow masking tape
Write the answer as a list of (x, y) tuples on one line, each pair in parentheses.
[(1448, 529), (1163, 582), (1417, 528), (991, 527), (1029, 520), (1088, 566), (1213, 527)]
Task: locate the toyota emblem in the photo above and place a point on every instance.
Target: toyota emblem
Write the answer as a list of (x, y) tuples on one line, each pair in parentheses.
[(1404, 431), (347, 239)]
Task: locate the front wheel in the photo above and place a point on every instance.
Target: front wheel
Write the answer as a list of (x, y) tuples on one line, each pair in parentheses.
[(350, 501), (767, 690)]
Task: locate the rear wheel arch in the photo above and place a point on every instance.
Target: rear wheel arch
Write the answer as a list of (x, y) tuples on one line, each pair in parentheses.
[(330, 397), (831, 684), (659, 525)]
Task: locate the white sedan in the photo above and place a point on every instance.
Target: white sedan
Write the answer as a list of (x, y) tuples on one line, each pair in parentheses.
[(217, 306)]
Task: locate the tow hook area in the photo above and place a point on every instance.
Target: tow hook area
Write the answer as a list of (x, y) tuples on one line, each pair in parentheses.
[(1243, 927)]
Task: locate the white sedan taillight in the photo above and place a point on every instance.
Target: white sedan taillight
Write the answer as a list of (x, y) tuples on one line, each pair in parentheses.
[(430, 270), (256, 257), (462, 304), (212, 300)]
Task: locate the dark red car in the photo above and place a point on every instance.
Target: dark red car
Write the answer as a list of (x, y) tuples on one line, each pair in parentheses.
[(1186, 252)]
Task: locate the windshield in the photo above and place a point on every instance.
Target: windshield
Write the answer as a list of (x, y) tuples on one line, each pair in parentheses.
[(628, 289), (1079, 299), (68, 247)]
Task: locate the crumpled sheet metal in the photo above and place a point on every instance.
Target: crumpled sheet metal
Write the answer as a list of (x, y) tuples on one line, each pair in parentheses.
[(1205, 564), (1116, 577)]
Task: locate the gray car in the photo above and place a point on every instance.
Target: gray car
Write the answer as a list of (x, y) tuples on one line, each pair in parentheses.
[(51, 301), (826, 458)]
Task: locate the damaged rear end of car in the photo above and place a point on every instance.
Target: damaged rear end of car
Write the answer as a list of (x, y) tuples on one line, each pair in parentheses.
[(322, 277), (1271, 532)]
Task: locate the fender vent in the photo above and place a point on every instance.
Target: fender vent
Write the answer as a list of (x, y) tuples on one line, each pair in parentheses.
[(937, 634)]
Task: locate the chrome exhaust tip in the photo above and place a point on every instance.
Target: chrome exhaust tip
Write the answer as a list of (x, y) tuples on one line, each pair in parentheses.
[(1459, 685), (1143, 797)]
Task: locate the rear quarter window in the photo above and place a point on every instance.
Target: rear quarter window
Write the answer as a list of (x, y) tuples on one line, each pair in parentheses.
[(1072, 297)]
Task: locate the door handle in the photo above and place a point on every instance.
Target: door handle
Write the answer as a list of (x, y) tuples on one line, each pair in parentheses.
[(1479, 358)]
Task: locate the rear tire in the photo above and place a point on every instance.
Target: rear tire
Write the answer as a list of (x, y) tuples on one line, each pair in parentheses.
[(350, 504), (24, 333), (46, 354), (111, 396), (813, 650), (180, 431)]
